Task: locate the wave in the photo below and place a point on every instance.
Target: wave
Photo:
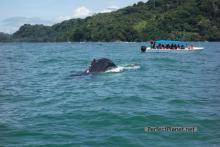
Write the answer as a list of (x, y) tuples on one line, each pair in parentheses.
[(49, 61), (123, 68), (113, 70)]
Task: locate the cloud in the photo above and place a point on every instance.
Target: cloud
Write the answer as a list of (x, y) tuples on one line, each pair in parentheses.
[(80, 12), (12, 24), (62, 18), (83, 12), (109, 9)]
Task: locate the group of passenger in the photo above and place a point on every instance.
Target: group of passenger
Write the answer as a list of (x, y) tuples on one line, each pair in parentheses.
[(169, 46)]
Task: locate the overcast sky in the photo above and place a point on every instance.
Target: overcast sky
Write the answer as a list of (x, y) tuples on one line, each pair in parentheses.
[(14, 13)]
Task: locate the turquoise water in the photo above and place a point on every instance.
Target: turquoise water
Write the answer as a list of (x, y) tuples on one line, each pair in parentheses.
[(42, 103)]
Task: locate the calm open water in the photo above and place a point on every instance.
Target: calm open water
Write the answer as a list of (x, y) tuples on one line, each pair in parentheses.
[(42, 103)]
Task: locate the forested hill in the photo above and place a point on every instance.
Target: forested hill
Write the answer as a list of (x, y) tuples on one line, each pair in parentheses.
[(165, 19)]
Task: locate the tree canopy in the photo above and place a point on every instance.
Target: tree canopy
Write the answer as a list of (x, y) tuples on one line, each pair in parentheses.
[(191, 20)]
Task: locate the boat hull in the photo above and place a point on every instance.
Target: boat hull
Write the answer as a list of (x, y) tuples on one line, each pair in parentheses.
[(195, 49)]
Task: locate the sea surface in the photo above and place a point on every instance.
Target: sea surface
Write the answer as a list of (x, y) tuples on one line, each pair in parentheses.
[(45, 102)]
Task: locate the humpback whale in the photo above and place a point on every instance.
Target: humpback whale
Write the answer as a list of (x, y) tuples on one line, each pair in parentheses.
[(100, 65)]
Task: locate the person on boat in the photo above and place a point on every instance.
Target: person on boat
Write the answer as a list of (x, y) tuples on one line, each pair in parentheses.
[(182, 47), (189, 47), (151, 44), (171, 47), (175, 46), (159, 46)]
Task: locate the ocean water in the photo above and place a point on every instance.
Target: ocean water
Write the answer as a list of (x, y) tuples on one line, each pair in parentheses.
[(44, 103)]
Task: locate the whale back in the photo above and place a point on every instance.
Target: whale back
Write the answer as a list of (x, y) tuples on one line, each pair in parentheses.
[(101, 65)]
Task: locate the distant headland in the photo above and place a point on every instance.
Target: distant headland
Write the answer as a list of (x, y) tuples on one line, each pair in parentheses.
[(192, 20)]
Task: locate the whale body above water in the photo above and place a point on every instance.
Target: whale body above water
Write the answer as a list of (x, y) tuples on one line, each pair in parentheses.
[(100, 65)]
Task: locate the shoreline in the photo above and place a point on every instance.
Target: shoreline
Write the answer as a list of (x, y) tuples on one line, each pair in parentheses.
[(91, 41)]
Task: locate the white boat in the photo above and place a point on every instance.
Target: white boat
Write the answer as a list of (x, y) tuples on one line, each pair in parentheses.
[(194, 49), (171, 46)]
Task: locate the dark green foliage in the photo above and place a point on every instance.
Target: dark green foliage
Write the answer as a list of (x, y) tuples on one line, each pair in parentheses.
[(38, 33), (5, 37), (164, 19), (78, 35)]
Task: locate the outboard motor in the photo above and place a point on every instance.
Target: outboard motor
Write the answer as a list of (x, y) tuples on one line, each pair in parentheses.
[(143, 49)]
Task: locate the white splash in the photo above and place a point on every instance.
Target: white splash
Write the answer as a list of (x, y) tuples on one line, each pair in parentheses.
[(123, 68)]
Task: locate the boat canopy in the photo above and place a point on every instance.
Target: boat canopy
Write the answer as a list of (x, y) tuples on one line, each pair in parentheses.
[(164, 42)]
